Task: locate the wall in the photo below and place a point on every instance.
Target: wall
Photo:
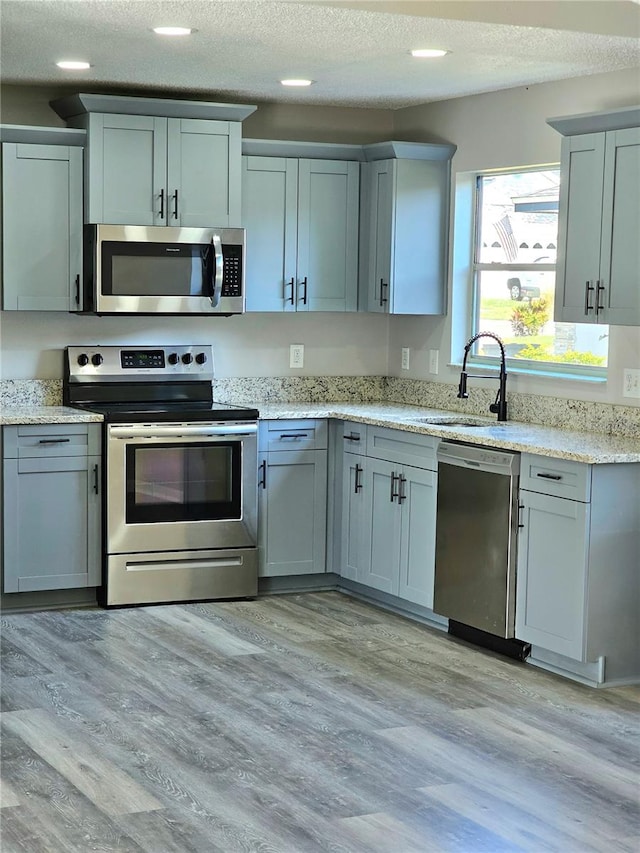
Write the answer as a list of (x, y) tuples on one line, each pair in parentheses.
[(503, 129), (250, 345)]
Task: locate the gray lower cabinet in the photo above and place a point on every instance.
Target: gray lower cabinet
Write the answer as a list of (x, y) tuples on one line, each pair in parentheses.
[(51, 507), (301, 217), (578, 585), (599, 223), (292, 498), (152, 170), (388, 512), (41, 227)]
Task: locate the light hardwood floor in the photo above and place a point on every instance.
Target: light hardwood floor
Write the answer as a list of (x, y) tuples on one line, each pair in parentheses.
[(298, 723)]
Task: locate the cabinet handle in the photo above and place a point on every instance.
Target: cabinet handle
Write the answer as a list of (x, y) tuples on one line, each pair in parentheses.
[(262, 478), (393, 494), (549, 476), (290, 284), (358, 485), (402, 496), (520, 524), (305, 286), (175, 204), (600, 288), (294, 435), (588, 289), (383, 299), (54, 441), (95, 478), (161, 204), (351, 437), (77, 290)]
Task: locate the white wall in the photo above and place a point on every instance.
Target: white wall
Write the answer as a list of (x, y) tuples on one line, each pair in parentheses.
[(505, 129)]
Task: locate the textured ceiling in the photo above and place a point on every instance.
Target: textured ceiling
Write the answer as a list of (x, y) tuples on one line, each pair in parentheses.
[(357, 52)]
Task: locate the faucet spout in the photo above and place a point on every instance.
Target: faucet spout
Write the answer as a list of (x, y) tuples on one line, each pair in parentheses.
[(499, 407)]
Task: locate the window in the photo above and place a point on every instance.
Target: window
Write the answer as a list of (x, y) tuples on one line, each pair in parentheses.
[(514, 285)]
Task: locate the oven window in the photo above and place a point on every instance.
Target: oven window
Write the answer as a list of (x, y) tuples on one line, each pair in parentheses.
[(190, 482), (156, 269)]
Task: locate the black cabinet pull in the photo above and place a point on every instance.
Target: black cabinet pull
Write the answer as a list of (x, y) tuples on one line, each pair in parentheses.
[(358, 485), (161, 204), (351, 437), (290, 284), (262, 477), (394, 494), (402, 495), (305, 285), (520, 508), (175, 204), (293, 435), (54, 441), (95, 478), (588, 289), (383, 298), (600, 288), (77, 290), (549, 476)]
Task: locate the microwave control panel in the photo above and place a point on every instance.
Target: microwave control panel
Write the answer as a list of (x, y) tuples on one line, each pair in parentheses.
[(232, 270)]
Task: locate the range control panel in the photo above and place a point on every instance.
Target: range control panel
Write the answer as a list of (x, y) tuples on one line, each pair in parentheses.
[(135, 364)]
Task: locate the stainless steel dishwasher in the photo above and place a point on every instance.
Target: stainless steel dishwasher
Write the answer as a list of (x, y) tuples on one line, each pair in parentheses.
[(476, 531)]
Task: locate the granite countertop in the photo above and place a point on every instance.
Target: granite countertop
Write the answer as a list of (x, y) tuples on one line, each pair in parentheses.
[(589, 447)]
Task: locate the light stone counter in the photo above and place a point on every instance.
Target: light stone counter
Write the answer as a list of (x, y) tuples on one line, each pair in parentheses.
[(588, 447), (25, 415)]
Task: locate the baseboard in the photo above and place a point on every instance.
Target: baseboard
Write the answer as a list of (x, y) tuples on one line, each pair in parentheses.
[(50, 599)]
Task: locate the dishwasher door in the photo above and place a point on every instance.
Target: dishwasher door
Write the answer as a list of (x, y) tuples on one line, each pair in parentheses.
[(476, 527)]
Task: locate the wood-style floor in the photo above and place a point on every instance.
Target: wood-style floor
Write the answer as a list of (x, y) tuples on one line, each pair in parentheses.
[(300, 723)]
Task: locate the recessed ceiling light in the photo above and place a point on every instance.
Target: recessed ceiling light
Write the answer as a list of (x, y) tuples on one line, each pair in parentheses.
[(173, 31), (73, 65), (296, 82), (429, 53)]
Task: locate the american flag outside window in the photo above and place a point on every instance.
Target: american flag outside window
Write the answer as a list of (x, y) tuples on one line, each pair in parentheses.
[(507, 238)]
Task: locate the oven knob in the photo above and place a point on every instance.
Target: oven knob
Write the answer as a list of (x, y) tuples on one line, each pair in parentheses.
[(83, 359), (173, 358), (201, 358), (187, 358), (96, 359)]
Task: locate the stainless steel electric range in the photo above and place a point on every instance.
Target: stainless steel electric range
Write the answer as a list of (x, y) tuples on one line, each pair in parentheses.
[(180, 496)]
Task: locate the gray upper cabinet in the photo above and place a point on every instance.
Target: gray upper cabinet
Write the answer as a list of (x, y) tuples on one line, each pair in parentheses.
[(151, 170), (405, 227), (301, 216), (599, 222), (51, 507), (41, 226)]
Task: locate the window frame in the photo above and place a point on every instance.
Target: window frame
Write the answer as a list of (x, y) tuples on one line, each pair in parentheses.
[(593, 373)]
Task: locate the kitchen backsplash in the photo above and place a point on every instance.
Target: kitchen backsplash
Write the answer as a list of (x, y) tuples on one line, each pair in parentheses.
[(551, 411)]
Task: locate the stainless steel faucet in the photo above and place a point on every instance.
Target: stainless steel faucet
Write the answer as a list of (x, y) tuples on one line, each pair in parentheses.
[(499, 407)]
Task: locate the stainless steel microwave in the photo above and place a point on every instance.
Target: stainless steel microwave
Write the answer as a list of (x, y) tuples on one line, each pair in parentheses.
[(135, 269)]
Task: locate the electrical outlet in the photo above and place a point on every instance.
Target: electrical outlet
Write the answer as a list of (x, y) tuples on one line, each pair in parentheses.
[(406, 357), (631, 382), (296, 355), (433, 360)]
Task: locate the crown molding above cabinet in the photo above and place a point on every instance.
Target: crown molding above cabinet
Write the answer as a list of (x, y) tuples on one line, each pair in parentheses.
[(81, 103)]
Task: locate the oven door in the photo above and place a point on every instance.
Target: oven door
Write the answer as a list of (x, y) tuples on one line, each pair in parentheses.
[(178, 487)]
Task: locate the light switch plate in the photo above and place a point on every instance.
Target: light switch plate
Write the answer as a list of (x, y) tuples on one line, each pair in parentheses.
[(406, 358), (296, 355), (433, 360), (631, 382)]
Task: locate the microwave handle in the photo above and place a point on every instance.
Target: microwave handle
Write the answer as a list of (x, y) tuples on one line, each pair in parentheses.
[(217, 271)]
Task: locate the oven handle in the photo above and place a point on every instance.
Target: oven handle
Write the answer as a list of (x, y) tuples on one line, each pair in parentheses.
[(178, 431)]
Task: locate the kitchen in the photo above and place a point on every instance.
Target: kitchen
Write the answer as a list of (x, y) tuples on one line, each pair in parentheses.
[(253, 347)]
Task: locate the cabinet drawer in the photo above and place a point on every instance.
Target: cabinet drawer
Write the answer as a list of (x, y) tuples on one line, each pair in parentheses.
[(43, 440), (293, 435), (561, 478), (353, 437), (406, 448)]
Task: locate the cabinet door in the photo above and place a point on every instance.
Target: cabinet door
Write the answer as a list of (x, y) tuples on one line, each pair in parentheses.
[(381, 189), (382, 527), (620, 251), (203, 173), (293, 513), (127, 157), (270, 216), (51, 523), (328, 193), (352, 550), (42, 227), (579, 227), (552, 573), (418, 535)]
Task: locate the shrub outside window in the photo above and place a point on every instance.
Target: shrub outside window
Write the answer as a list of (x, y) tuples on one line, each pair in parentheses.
[(516, 238)]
